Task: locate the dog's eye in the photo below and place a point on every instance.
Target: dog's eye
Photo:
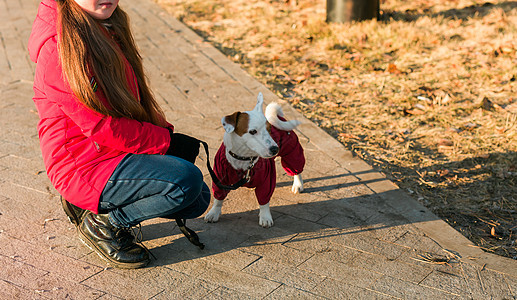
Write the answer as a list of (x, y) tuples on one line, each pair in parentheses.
[(253, 132)]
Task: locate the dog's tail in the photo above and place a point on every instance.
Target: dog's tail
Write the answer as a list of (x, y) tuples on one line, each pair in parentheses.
[(273, 111)]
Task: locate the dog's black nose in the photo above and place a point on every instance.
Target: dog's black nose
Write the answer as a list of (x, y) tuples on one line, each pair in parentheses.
[(273, 150)]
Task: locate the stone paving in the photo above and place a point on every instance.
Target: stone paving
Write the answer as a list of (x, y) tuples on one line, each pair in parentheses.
[(351, 235)]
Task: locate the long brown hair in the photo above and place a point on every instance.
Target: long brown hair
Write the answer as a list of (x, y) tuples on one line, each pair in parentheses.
[(86, 50)]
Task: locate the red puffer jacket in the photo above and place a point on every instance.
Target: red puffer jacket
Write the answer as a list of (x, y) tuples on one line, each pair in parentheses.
[(81, 148)]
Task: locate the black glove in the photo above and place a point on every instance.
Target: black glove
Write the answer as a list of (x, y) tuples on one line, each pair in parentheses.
[(183, 146)]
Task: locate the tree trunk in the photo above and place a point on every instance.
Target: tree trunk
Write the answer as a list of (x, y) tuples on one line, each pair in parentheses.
[(341, 11)]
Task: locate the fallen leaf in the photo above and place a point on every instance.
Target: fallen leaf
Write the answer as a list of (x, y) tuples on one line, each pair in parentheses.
[(392, 68), (442, 173), (470, 126), (455, 130), (486, 104), (331, 104), (303, 77), (348, 136), (423, 98), (413, 111), (445, 142), (425, 89), (420, 106)]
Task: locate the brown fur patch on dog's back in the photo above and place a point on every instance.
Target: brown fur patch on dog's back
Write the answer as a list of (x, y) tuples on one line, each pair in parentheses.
[(240, 121)]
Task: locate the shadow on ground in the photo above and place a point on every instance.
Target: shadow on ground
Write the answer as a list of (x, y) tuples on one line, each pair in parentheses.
[(309, 224), (457, 13)]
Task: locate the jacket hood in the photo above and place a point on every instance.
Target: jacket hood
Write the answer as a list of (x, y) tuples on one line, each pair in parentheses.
[(43, 28)]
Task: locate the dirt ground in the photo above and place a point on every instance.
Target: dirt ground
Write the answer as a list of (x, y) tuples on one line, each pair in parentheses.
[(426, 94)]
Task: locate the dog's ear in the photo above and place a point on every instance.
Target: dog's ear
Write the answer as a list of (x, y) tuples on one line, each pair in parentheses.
[(236, 122), (260, 102), (229, 122)]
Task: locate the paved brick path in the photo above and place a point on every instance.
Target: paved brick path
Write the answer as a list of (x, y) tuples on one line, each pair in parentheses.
[(352, 235)]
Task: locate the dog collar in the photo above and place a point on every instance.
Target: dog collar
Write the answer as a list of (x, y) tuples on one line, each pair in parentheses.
[(243, 158)]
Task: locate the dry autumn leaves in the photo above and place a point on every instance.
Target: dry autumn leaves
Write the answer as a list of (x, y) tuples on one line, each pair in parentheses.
[(426, 94)]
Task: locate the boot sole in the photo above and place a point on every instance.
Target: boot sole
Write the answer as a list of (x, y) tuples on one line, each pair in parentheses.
[(121, 265)]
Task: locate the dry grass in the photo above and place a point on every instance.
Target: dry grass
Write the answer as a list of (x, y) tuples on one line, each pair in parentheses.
[(426, 94)]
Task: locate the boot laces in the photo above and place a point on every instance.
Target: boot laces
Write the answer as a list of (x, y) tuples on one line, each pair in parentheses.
[(138, 237)]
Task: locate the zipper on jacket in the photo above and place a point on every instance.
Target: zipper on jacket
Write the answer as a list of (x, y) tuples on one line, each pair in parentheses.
[(97, 147)]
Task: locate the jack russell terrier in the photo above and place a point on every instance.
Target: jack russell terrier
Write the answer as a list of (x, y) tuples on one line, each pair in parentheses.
[(247, 157)]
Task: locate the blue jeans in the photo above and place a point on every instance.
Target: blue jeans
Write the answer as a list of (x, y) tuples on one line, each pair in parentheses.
[(149, 186)]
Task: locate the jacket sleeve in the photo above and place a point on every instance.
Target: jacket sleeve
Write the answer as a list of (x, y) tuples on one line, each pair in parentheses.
[(124, 134)]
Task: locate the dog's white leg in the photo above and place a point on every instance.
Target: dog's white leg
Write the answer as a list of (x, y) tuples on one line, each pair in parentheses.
[(297, 184), (213, 215), (265, 218)]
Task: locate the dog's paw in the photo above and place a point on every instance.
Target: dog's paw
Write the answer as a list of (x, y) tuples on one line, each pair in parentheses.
[(265, 218), (266, 221), (297, 184), (213, 215), (296, 189)]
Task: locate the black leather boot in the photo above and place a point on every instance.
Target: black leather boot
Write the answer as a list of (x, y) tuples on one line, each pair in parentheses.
[(116, 245), (74, 213)]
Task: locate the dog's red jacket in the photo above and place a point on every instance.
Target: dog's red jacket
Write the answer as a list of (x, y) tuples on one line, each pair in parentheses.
[(263, 174)]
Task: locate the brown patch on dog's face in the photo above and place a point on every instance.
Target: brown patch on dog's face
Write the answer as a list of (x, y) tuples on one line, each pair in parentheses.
[(239, 121), (243, 120), (268, 127)]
